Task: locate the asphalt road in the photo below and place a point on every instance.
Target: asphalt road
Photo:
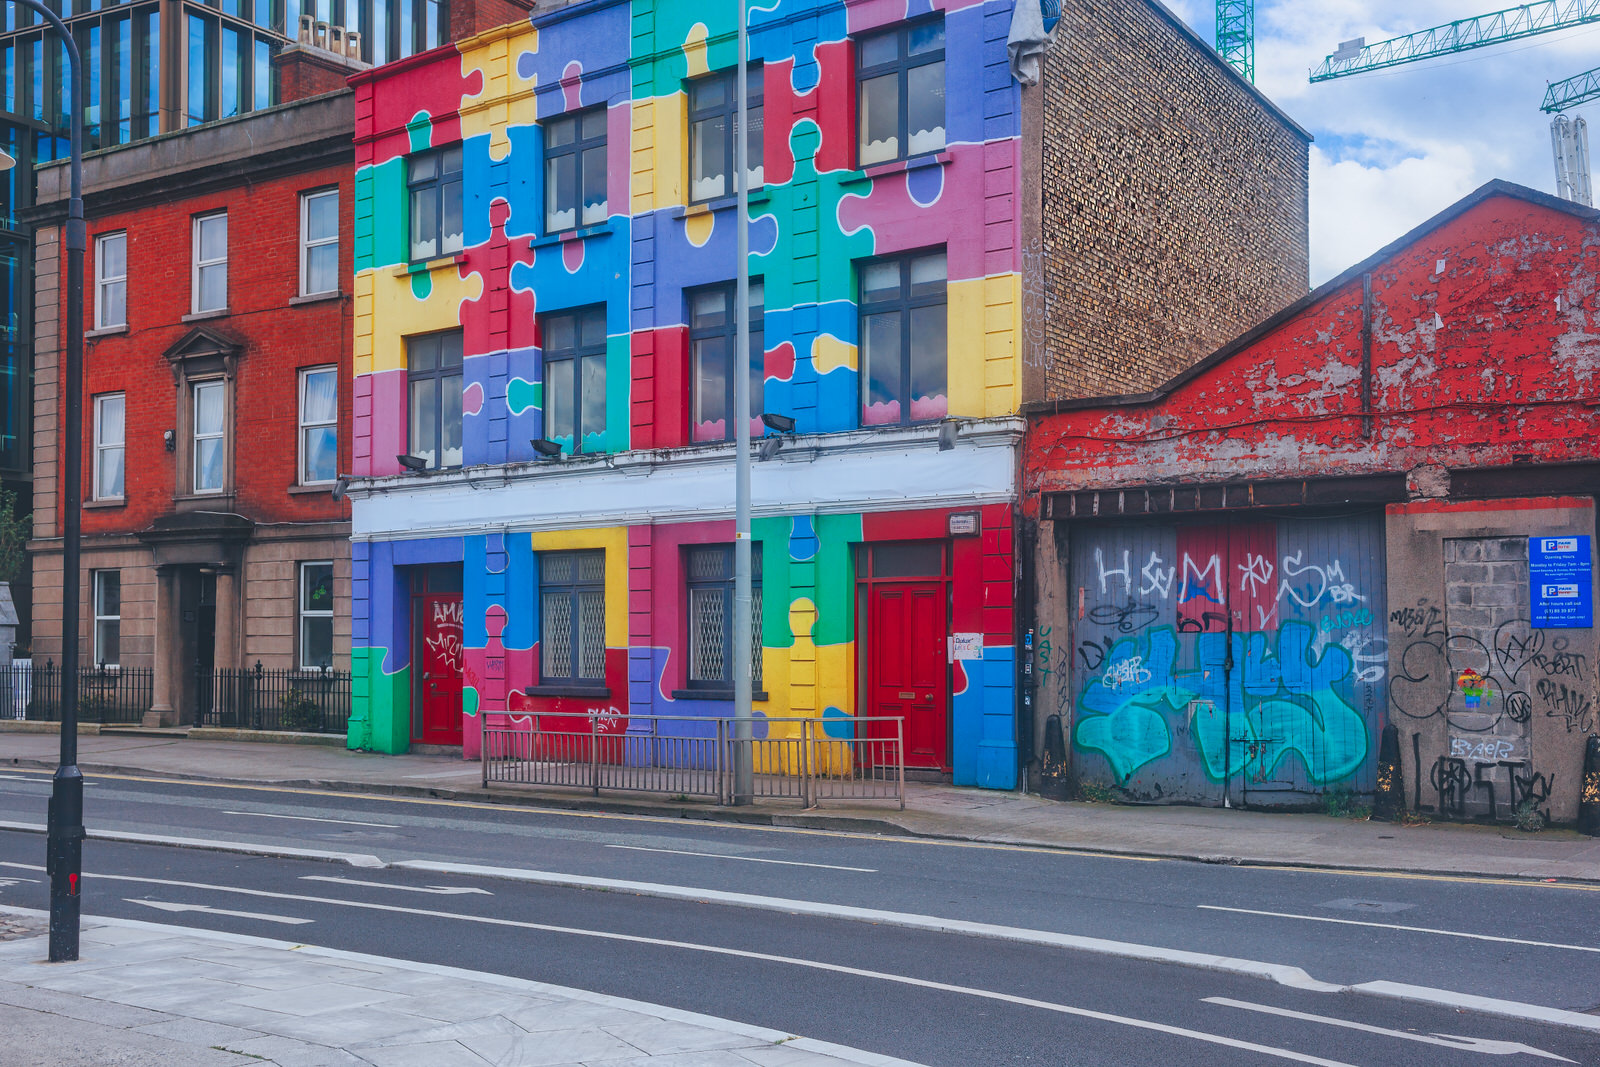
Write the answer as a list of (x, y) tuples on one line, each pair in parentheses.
[(933, 997)]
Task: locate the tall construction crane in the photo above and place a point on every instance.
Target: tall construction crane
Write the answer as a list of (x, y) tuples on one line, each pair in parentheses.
[(1569, 138), (1236, 35)]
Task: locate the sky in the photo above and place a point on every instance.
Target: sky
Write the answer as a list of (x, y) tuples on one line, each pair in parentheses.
[(1396, 146)]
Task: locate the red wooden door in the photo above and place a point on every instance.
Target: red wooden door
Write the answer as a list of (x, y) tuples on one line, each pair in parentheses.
[(906, 673), (438, 663)]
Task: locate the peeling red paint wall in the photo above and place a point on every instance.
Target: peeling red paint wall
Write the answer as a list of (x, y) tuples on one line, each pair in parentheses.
[(1485, 351)]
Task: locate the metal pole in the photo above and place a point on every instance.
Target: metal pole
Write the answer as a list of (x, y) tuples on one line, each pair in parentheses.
[(743, 723), (64, 838)]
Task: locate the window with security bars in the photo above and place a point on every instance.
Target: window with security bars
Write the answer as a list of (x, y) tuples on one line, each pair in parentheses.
[(572, 614), (709, 576)]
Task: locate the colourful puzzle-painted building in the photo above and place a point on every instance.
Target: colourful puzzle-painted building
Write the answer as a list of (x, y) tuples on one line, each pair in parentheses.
[(543, 465)]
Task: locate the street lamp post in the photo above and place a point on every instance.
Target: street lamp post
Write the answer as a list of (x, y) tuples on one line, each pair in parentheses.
[(64, 847), (743, 722)]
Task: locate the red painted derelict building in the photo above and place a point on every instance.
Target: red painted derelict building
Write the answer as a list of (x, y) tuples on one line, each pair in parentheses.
[(1374, 511), (218, 319)]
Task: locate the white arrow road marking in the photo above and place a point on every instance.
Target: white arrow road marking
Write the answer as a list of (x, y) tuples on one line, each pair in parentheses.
[(309, 818), (287, 920), (1396, 926), (746, 859), (718, 950), (1466, 1044), (443, 890)]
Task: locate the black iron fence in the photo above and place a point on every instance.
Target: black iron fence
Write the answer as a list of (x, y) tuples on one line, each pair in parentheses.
[(254, 698), (105, 694)]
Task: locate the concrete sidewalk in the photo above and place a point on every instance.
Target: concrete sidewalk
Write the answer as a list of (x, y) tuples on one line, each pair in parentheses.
[(1204, 834), (146, 995)]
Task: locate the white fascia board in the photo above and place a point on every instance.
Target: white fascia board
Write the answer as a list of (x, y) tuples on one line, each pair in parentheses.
[(863, 471)]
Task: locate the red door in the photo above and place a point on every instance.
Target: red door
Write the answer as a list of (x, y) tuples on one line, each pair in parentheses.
[(437, 626), (906, 674)]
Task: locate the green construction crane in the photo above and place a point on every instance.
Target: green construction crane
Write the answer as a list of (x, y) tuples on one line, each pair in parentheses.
[(1514, 23), (1569, 138), (1578, 89), (1236, 35)]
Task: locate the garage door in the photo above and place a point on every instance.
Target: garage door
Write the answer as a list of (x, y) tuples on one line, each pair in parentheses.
[(1238, 661)]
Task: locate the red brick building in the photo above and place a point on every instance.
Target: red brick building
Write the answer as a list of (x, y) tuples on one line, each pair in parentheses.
[(217, 360), (1373, 515)]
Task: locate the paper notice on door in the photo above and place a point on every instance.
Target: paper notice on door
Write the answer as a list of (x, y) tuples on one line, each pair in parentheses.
[(966, 646)]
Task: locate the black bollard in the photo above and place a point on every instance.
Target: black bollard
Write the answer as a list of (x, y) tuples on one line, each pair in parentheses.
[(1390, 799), (1055, 779)]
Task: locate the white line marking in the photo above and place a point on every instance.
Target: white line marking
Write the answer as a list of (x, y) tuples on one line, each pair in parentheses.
[(718, 950), (309, 818), (287, 920), (1485, 1045), (354, 859), (442, 890), (746, 859), (1396, 926)]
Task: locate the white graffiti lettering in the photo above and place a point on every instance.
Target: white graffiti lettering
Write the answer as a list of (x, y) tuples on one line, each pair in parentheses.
[(1126, 672), (1155, 579), (1126, 570), (1254, 572), (1213, 568), (1487, 749)]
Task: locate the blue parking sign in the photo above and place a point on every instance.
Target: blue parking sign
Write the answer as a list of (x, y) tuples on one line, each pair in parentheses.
[(1560, 582)]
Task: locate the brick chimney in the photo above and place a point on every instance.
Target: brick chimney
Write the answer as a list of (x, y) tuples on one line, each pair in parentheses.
[(317, 63)]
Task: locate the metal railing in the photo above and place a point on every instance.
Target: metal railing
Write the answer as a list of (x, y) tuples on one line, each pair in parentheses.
[(254, 698), (803, 759), (105, 694)]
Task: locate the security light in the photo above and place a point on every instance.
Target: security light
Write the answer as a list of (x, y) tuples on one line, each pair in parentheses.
[(947, 436), (545, 447), (780, 423), (769, 448), (341, 485), (412, 463)]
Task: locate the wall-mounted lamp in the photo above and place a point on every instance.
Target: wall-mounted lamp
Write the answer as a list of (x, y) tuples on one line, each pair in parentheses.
[(947, 436), (769, 448), (169, 440), (412, 463), (780, 423), (341, 485), (546, 448)]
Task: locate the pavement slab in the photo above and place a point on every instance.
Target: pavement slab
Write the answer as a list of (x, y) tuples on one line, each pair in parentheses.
[(184, 1003)]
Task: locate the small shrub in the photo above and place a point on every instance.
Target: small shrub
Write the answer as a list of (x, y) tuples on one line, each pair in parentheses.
[(1529, 819), (1098, 794), (300, 712), (1344, 804)]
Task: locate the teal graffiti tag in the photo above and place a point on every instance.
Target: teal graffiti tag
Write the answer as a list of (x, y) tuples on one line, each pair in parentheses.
[(1283, 696)]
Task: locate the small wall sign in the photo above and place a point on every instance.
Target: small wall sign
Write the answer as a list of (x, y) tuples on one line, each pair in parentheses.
[(964, 524), (1560, 582), (966, 646)]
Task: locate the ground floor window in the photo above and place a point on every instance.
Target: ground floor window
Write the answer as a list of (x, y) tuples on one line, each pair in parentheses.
[(316, 615), (709, 576), (572, 618), (107, 591)]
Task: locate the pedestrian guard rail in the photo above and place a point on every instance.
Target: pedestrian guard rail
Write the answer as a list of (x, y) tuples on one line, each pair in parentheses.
[(808, 760)]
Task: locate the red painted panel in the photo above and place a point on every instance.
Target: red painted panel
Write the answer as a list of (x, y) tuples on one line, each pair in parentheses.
[(1202, 578), (907, 628), (1253, 576)]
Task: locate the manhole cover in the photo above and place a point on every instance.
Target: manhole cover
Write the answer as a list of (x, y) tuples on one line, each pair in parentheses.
[(1373, 906)]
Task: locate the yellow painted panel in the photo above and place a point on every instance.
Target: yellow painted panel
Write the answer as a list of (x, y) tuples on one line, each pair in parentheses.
[(614, 539), (829, 353), (660, 123), (506, 98), (966, 349), (403, 315)]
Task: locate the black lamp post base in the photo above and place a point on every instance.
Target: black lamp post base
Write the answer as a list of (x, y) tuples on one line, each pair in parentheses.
[(64, 861)]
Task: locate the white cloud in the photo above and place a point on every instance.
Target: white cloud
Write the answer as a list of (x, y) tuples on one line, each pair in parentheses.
[(1358, 208), (1396, 146)]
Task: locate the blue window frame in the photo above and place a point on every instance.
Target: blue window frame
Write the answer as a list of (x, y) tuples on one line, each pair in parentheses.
[(900, 93), (574, 348), (708, 575)]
